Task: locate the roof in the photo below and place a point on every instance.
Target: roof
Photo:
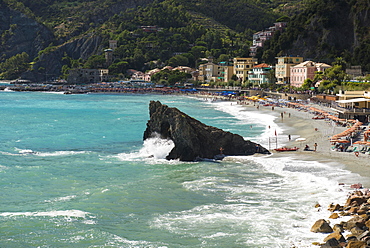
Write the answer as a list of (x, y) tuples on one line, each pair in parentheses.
[(263, 65), (306, 64), (322, 65), (354, 100)]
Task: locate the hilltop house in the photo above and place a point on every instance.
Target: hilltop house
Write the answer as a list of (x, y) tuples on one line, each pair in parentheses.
[(260, 37), (305, 70)]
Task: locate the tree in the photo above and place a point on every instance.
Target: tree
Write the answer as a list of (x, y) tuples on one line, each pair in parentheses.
[(307, 84), (223, 57), (198, 51), (95, 62), (14, 66), (335, 74), (170, 77), (178, 60), (117, 68)]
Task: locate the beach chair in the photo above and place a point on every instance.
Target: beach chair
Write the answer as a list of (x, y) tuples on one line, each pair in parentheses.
[(349, 149)]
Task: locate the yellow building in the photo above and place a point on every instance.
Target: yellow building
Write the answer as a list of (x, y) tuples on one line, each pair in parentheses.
[(226, 70), (242, 66), (211, 72), (282, 69)]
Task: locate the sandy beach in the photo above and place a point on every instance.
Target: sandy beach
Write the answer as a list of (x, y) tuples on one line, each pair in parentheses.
[(301, 125)]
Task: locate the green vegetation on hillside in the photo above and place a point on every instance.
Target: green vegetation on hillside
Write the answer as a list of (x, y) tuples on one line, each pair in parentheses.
[(14, 66), (189, 30), (326, 30)]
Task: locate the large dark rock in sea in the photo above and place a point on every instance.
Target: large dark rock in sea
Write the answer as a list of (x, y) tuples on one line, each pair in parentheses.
[(194, 140)]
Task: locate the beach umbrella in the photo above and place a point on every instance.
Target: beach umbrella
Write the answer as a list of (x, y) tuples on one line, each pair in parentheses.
[(360, 142), (300, 140)]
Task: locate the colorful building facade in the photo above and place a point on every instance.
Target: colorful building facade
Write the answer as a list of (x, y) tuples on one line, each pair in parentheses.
[(242, 66), (282, 69)]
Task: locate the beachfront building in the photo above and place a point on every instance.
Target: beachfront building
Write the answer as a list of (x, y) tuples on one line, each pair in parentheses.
[(226, 71), (282, 69), (210, 72), (353, 105), (354, 99), (242, 66), (88, 76), (148, 75), (185, 69), (260, 74), (138, 75), (305, 70)]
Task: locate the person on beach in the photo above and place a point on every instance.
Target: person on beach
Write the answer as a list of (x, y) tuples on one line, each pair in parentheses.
[(306, 148), (289, 137), (257, 148), (315, 146)]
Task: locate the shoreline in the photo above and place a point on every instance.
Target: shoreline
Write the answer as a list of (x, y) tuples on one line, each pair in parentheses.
[(346, 223), (300, 124)]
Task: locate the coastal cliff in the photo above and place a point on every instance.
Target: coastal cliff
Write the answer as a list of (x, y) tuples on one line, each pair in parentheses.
[(193, 139), (21, 33)]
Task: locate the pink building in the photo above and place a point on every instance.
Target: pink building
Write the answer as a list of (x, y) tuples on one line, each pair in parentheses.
[(305, 70)]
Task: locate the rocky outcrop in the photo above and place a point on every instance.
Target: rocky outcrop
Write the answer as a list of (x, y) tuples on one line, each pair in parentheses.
[(357, 227), (321, 226), (193, 139)]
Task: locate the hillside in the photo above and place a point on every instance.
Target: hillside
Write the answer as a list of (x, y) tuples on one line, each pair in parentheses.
[(326, 30), (59, 35)]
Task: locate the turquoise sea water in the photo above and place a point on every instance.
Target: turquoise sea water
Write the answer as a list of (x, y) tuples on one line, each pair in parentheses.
[(74, 172)]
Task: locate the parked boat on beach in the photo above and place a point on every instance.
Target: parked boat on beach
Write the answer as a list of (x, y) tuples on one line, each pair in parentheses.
[(286, 149)]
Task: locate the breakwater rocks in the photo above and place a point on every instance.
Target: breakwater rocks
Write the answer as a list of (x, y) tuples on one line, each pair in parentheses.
[(353, 233), (194, 140)]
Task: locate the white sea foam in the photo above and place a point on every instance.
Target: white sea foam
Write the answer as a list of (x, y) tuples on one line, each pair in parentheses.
[(59, 153), (251, 119), (266, 193), (54, 92), (57, 213), (62, 199), (153, 148), (22, 152)]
